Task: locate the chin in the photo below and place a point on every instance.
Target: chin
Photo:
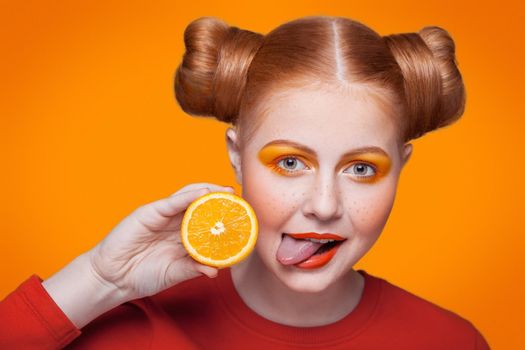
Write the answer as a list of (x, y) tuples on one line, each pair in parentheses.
[(305, 280), (298, 279)]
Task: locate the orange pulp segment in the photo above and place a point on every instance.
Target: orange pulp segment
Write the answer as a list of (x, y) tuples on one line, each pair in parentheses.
[(219, 229)]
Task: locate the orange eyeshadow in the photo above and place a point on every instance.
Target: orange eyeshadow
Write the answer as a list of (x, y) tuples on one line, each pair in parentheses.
[(273, 153), (380, 162), (270, 153)]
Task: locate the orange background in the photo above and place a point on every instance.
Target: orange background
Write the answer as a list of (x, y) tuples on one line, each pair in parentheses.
[(91, 130)]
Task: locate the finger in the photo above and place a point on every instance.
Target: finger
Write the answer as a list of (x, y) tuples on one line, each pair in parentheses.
[(171, 205), (212, 187), (186, 268), (209, 271), (180, 270), (156, 213), (176, 204)]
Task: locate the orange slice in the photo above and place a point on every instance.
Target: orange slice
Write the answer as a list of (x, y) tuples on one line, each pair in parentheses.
[(219, 229)]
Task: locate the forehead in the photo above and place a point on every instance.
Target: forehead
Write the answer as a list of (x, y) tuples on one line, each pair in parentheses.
[(328, 120)]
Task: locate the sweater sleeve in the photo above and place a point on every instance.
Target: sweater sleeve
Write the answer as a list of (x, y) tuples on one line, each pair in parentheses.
[(30, 319)]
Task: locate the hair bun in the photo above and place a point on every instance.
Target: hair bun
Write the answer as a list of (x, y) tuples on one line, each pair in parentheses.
[(215, 63), (434, 90)]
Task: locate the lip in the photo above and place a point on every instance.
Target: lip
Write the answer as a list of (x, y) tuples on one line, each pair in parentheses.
[(316, 235), (317, 261)]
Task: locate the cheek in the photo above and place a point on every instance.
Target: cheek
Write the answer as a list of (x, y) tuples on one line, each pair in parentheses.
[(370, 208), (274, 200)]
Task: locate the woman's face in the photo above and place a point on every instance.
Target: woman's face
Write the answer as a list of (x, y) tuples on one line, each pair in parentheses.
[(306, 169)]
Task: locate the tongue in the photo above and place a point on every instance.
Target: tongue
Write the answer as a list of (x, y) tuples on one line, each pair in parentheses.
[(293, 250)]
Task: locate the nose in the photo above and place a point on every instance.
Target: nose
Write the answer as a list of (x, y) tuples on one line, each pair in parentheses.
[(323, 201)]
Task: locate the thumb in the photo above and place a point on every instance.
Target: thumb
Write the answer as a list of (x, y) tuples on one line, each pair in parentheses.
[(209, 271), (186, 268)]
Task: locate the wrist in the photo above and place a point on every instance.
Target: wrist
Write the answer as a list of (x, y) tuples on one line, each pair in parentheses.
[(80, 292), (107, 289)]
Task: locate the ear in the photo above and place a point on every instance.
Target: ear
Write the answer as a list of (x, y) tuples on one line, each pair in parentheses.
[(232, 143), (407, 152)]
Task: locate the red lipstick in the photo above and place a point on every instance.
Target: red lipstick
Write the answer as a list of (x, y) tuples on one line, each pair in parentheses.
[(324, 254), (318, 260), (317, 236)]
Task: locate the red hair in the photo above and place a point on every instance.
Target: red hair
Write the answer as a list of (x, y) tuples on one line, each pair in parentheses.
[(227, 71)]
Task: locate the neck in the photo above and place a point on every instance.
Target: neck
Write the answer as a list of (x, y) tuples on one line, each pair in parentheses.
[(267, 296)]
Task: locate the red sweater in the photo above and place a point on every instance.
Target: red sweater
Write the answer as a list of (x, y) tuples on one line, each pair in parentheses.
[(205, 313)]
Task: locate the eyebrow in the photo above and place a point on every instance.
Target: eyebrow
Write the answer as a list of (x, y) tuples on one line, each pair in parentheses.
[(356, 151)]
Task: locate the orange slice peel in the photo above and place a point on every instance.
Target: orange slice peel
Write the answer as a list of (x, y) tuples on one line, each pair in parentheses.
[(219, 229)]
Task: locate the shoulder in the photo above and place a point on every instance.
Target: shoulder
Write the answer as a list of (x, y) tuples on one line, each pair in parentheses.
[(406, 313)]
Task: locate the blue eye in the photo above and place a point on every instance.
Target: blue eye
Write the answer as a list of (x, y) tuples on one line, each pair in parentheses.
[(361, 170), (291, 164)]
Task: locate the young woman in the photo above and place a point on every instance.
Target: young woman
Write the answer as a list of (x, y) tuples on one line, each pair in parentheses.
[(322, 110)]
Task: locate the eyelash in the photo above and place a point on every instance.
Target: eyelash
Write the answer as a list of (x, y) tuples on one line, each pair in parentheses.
[(284, 171)]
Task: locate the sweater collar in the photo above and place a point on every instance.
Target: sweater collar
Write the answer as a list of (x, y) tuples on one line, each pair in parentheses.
[(343, 329)]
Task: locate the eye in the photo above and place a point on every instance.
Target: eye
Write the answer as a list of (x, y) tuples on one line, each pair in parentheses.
[(291, 164), (363, 170)]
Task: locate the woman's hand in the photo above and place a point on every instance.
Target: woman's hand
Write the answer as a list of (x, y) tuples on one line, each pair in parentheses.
[(143, 254)]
